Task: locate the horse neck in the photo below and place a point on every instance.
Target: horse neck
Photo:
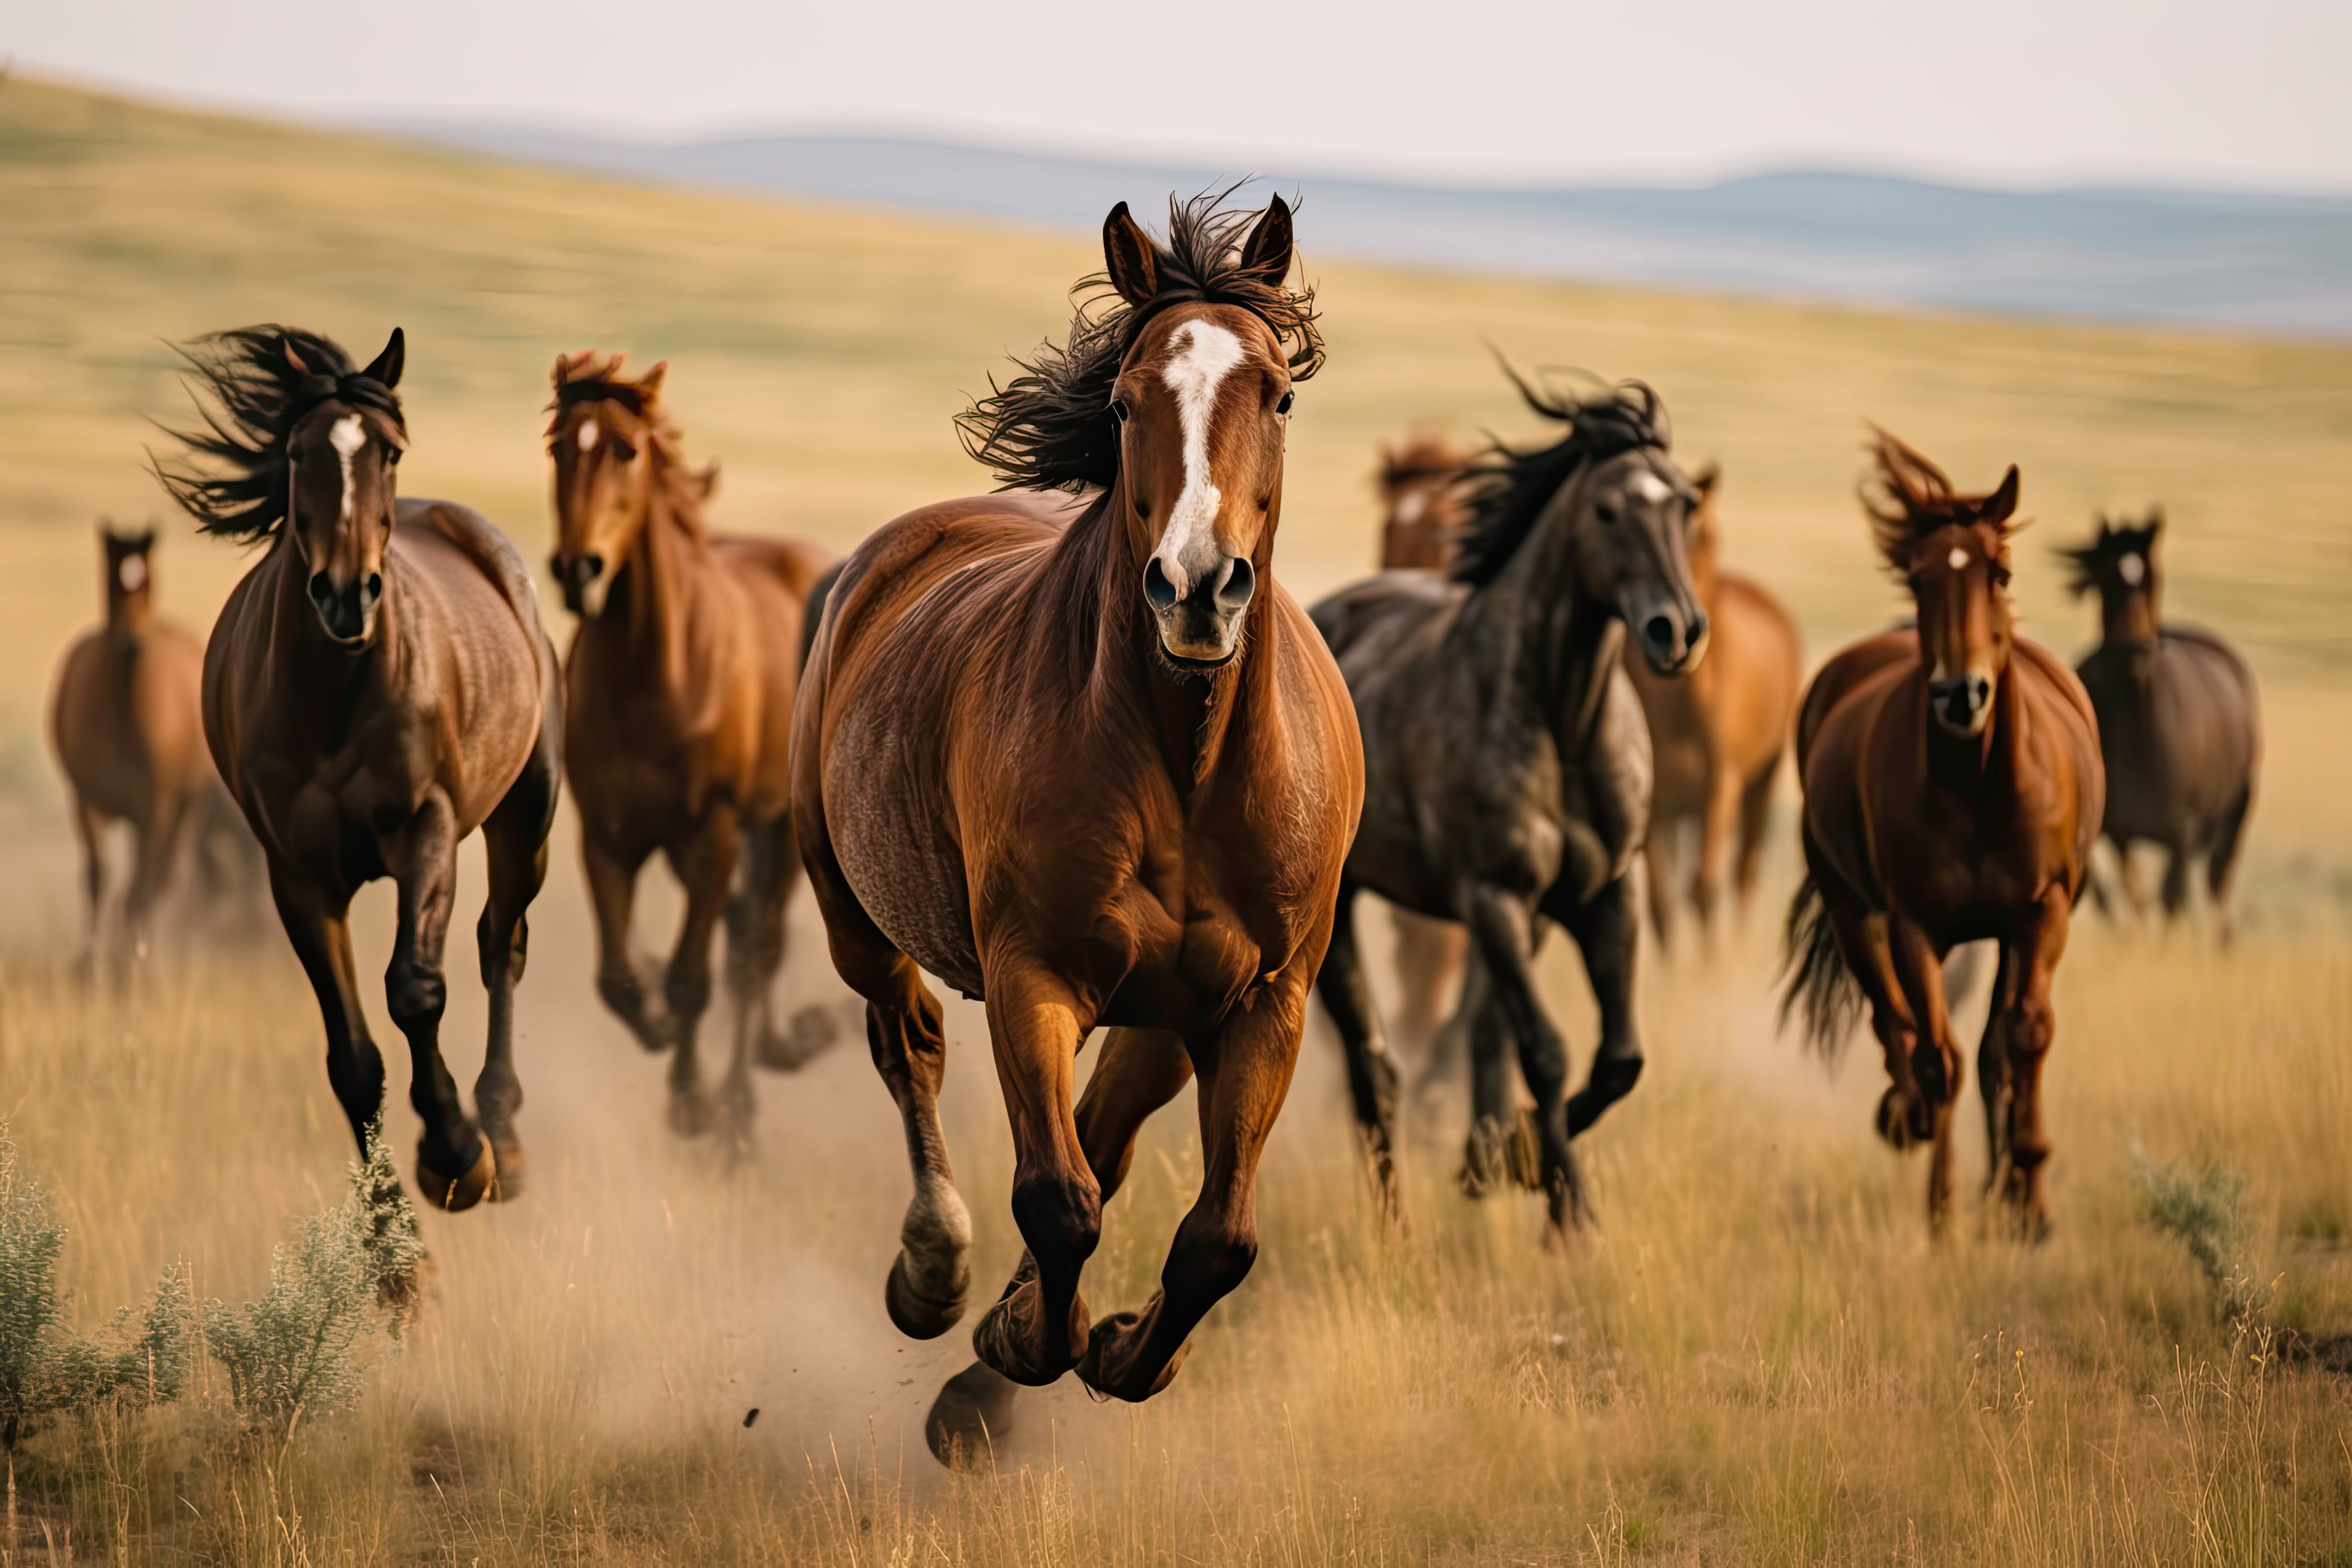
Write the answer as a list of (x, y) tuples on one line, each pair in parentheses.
[(127, 615), (655, 582), (2132, 623), (1556, 639)]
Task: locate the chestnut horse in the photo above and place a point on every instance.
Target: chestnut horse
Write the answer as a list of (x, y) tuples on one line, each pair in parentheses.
[(376, 687), (1952, 788), (1507, 765), (2179, 720), (1081, 757), (1716, 734), (127, 721), (678, 687)]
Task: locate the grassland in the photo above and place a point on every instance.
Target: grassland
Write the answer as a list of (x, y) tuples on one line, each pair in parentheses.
[(1758, 1357)]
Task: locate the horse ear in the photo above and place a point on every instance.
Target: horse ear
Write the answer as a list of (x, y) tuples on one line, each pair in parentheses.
[(1268, 251), (1705, 480), (144, 540), (385, 366), (1128, 258), (2155, 520), (2001, 505), (708, 478), (649, 383)]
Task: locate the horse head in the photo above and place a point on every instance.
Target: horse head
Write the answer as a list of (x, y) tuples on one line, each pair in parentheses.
[(2120, 563), (129, 580), (1952, 552), (608, 439), (344, 437), (1419, 486)]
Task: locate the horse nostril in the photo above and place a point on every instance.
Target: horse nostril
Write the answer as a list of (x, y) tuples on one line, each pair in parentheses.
[(587, 569), (1979, 691), (1157, 589), (374, 590), (1658, 632), (1236, 585), (1698, 632), (322, 591)]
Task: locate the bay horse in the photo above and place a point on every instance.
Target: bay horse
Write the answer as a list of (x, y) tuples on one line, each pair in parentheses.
[(1952, 790), (678, 687), (127, 722), (1080, 756), (1507, 765), (1717, 734), (2179, 720), (377, 687)]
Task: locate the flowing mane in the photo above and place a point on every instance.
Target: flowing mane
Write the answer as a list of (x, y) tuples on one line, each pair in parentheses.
[(1508, 489), (1050, 426), (261, 381), (1913, 497), (2083, 560)]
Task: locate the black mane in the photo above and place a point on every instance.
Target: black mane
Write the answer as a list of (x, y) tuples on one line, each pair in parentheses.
[(1508, 489), (1050, 426), (232, 478)]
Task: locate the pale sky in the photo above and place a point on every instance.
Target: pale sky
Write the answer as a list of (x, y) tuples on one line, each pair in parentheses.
[(2018, 92)]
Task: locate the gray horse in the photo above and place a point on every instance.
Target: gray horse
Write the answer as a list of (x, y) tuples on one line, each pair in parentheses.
[(1507, 762), (2179, 721)]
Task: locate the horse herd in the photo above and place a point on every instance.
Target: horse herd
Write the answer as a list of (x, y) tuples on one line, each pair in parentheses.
[(1072, 749)]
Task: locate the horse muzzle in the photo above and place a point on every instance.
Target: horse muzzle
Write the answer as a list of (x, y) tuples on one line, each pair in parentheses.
[(1202, 626), (584, 582), (1961, 703), (349, 612), (1672, 641)]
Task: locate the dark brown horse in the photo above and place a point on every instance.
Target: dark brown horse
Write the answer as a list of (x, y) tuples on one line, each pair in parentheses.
[(2179, 720), (1952, 789), (679, 687), (1507, 767), (377, 688), (1080, 755), (127, 721), (1716, 734)]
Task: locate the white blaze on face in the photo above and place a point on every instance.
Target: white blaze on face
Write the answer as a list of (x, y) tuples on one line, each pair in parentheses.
[(1651, 487), (347, 436), (132, 572), (1959, 562), (1410, 506), (588, 433), (1204, 355), (2132, 570)]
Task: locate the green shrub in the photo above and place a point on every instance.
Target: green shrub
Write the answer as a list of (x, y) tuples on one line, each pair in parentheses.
[(2206, 1209)]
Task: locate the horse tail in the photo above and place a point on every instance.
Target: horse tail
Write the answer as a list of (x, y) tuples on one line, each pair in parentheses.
[(812, 613), (1818, 979)]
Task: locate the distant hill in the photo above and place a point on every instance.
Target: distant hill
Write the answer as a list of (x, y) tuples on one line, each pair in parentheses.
[(2272, 265)]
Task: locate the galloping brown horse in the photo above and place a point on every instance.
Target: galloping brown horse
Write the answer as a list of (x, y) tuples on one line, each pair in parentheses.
[(128, 723), (1953, 788), (1716, 734), (679, 690), (2179, 720), (377, 687), (1082, 758)]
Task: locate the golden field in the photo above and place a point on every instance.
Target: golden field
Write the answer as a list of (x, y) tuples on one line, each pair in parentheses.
[(1758, 1356)]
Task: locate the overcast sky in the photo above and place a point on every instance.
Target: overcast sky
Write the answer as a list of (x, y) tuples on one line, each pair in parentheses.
[(2006, 91)]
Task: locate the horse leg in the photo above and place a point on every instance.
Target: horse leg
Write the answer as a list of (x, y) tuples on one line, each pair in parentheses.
[(316, 925), (1904, 1117), (1755, 817), (1992, 1067), (1449, 1040), (2127, 879), (2222, 860), (91, 831), (514, 840), (1936, 1060), (705, 864), (1428, 959), (1606, 930), (1503, 927), (1501, 1144), (2176, 874), (2030, 1029), (1715, 839), (773, 871), (1657, 860), (454, 1165), (1138, 1071), (1244, 1074), (1039, 1330), (1371, 1071), (158, 847), (611, 869)]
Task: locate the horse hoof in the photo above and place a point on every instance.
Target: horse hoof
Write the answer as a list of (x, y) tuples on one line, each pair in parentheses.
[(1613, 1079), (689, 1112), (813, 1031), (997, 1341), (509, 1185), (973, 1414), (1108, 1366), (1893, 1119), (455, 1195), (920, 1313)]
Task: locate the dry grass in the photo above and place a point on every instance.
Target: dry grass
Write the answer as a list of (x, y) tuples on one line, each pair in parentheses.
[(1758, 1357)]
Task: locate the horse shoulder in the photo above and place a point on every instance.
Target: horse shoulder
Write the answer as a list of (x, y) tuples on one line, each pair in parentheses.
[(1847, 673)]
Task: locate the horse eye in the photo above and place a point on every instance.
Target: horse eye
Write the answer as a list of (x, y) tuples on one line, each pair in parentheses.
[(1605, 512), (1284, 405), (622, 452), (1118, 410)]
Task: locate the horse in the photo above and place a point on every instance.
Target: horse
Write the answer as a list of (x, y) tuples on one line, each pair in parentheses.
[(1071, 749), (127, 725), (1507, 765), (679, 687), (377, 687), (1952, 789), (2178, 720), (1716, 734)]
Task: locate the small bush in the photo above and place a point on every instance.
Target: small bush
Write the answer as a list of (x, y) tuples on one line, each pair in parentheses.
[(2206, 1209), (46, 1368), (306, 1348)]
